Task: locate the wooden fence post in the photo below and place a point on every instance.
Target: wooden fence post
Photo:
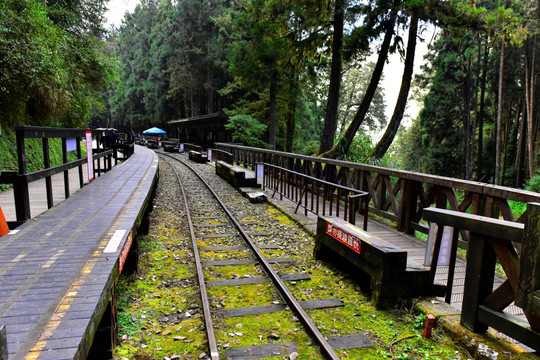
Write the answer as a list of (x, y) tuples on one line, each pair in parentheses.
[(481, 260), (407, 206), (528, 292), (20, 187)]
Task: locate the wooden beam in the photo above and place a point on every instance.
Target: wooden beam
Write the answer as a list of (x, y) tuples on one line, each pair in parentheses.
[(483, 225), (511, 326)]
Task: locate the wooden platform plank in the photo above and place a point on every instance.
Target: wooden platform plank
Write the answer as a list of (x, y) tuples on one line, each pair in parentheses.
[(53, 271)]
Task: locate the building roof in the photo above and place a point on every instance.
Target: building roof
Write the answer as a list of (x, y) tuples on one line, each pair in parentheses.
[(214, 116)]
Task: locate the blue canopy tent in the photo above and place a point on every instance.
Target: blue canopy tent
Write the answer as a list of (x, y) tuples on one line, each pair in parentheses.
[(154, 131)]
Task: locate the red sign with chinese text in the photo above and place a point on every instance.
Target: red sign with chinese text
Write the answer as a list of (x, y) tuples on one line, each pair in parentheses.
[(125, 251), (345, 238)]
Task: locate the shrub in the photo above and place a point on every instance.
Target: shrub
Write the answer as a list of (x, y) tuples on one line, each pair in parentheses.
[(247, 130), (534, 183)]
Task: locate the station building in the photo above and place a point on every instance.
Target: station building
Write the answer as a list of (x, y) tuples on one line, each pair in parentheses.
[(203, 130)]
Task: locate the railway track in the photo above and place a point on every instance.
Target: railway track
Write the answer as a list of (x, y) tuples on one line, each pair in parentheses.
[(211, 221)]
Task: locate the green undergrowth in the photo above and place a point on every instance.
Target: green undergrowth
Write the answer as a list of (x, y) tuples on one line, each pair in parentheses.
[(160, 315)]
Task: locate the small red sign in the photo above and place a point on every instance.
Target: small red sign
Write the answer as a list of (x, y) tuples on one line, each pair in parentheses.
[(125, 251), (345, 238)]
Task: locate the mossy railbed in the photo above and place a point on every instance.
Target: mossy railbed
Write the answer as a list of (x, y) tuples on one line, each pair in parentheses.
[(159, 308)]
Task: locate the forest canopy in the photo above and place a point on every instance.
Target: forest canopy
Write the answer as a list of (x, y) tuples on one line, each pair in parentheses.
[(306, 74), (53, 67)]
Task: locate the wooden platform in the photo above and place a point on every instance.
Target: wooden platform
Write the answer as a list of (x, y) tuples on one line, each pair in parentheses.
[(58, 269)]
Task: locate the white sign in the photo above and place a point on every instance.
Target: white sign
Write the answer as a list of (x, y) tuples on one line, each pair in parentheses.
[(260, 171), (71, 144), (445, 251), (112, 246), (89, 156)]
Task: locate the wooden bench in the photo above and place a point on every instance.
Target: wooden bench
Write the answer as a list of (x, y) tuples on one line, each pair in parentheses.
[(197, 156), (152, 144), (171, 145), (236, 175), (383, 265)]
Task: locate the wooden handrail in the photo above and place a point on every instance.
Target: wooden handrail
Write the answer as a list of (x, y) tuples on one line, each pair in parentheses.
[(477, 187), (21, 178), (492, 241), (311, 185), (398, 195)]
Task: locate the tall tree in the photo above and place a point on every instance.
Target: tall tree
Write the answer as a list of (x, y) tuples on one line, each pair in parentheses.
[(133, 47), (274, 44), (343, 144), (531, 82), (332, 104), (498, 149), (399, 110), (257, 55)]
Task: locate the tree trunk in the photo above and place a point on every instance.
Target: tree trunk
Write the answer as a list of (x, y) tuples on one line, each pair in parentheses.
[(392, 128), (344, 143), (474, 105), (332, 105), (209, 73), (192, 106), (512, 149), (520, 158), (480, 157), (209, 88), (272, 117), (467, 120), (529, 100), (291, 113), (499, 119)]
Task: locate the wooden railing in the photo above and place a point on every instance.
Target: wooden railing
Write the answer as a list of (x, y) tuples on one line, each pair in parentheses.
[(493, 241), (192, 147), (104, 152), (398, 195), (220, 155), (315, 195)]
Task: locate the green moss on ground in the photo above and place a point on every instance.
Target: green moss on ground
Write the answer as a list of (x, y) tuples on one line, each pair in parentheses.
[(160, 316)]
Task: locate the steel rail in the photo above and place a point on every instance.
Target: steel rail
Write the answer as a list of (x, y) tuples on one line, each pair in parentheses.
[(212, 343), (326, 348)]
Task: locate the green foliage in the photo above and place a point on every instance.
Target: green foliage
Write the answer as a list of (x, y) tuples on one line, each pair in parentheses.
[(355, 82), (172, 63), (360, 148), (246, 130), (31, 70), (534, 183), (308, 124), (8, 149), (51, 66)]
